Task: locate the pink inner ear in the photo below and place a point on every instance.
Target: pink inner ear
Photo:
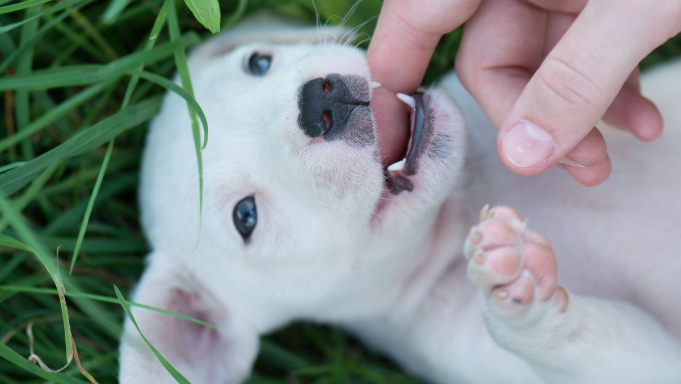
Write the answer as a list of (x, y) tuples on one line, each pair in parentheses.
[(198, 346)]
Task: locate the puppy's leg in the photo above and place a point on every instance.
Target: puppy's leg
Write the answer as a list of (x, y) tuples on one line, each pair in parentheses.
[(565, 339), (201, 354)]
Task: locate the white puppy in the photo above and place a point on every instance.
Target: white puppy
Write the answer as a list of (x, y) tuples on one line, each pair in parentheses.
[(300, 221)]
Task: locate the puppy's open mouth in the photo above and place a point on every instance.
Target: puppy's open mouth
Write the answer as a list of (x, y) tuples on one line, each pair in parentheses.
[(396, 174)]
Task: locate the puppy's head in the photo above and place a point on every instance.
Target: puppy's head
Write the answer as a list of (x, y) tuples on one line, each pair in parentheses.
[(299, 217)]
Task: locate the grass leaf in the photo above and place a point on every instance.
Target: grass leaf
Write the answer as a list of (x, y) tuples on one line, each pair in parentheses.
[(92, 73), (53, 9), (8, 354), (207, 12), (10, 242), (185, 78), (20, 6), (55, 113), (113, 10), (93, 137)]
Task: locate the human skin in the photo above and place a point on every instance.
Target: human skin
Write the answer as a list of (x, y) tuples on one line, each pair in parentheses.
[(551, 69)]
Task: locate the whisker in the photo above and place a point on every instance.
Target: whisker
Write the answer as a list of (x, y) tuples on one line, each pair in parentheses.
[(358, 27), (349, 14), (362, 42)]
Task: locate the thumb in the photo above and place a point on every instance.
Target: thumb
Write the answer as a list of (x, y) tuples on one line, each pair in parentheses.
[(575, 85)]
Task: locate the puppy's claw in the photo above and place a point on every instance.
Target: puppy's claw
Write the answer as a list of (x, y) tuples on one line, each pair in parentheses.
[(407, 99), (397, 166), (374, 84), (479, 256), (475, 235), (485, 213)]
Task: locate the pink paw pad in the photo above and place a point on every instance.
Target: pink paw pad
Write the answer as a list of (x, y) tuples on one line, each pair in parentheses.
[(513, 265)]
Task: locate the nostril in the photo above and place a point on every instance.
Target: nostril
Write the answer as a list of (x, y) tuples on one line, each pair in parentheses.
[(326, 104), (326, 116)]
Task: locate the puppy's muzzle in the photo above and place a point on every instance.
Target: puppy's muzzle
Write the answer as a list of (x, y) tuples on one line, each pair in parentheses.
[(335, 105)]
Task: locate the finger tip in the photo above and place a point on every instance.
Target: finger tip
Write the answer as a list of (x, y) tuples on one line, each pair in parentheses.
[(390, 121), (591, 150), (591, 176), (635, 113)]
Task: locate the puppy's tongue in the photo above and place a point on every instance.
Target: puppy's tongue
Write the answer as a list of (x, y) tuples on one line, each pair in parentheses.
[(392, 125)]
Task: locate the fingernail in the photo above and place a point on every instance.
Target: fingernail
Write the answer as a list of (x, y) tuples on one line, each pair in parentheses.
[(527, 145), (571, 162)]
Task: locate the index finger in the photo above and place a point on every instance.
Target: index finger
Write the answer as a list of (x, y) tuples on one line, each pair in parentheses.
[(406, 35)]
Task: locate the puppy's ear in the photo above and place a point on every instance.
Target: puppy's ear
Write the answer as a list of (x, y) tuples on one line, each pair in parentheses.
[(268, 28), (200, 353)]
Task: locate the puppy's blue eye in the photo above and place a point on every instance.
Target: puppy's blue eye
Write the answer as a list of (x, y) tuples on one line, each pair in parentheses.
[(259, 64), (245, 216)]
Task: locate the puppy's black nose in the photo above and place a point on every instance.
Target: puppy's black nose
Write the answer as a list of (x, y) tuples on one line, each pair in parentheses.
[(326, 104)]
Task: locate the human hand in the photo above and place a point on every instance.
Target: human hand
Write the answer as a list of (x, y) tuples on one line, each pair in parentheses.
[(404, 40), (508, 62)]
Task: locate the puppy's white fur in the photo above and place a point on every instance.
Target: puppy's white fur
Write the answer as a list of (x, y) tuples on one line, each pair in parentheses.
[(395, 275)]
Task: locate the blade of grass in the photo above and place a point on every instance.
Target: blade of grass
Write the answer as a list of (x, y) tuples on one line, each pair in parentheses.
[(193, 105), (31, 192), (70, 216), (93, 137), (53, 9), (79, 40), (8, 354), (39, 34), (106, 299), (20, 6), (94, 35), (10, 166), (207, 12), (92, 73), (90, 205), (67, 184), (37, 249), (169, 367), (279, 356), (238, 13), (97, 245), (24, 67), (113, 10), (185, 79), (7, 46), (55, 113), (128, 94), (11, 265), (35, 246), (160, 18)]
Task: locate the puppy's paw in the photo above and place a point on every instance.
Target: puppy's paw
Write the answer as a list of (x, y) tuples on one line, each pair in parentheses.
[(513, 267)]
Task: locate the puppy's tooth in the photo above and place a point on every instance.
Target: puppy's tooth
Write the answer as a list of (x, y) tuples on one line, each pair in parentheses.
[(397, 166), (484, 213), (501, 294), (407, 99), (374, 84)]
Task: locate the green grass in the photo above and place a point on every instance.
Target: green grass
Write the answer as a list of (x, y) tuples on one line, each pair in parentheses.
[(80, 81)]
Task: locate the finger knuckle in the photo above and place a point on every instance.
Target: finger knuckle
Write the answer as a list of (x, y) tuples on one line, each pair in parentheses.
[(574, 86)]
